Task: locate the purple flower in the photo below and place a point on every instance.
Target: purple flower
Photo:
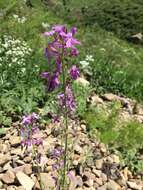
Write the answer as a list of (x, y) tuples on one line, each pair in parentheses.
[(58, 64), (34, 116), (63, 37), (26, 120), (50, 33), (29, 119), (45, 75), (57, 153), (59, 28), (29, 130), (53, 82), (73, 30), (74, 52), (70, 41), (37, 141), (68, 101), (74, 72), (55, 29)]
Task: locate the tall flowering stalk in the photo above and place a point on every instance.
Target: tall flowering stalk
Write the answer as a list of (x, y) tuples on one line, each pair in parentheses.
[(31, 140), (60, 49)]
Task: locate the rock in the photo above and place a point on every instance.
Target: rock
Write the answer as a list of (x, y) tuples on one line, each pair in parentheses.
[(99, 181), (4, 158), (112, 185), (104, 187), (11, 187), (1, 184), (15, 141), (110, 97), (48, 169), (48, 131), (47, 181), (104, 177), (75, 162), (19, 162), (25, 181), (27, 159), (77, 149), (134, 186), (140, 111), (82, 81), (116, 159), (8, 177), (94, 100), (79, 181), (89, 183), (103, 148), (136, 38), (20, 188), (88, 175), (99, 163), (125, 173), (83, 127), (7, 166), (88, 178), (27, 169), (16, 151), (139, 118), (73, 180), (4, 148), (37, 185), (97, 172)]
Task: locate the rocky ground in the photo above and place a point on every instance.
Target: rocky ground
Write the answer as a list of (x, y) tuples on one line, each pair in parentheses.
[(93, 166)]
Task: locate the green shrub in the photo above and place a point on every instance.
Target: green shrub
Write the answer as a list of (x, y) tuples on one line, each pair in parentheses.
[(124, 18), (81, 93), (126, 138)]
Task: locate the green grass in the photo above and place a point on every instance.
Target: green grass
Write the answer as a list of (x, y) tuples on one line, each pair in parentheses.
[(117, 66)]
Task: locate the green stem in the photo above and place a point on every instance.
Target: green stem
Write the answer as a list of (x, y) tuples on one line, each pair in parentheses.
[(66, 125), (38, 167)]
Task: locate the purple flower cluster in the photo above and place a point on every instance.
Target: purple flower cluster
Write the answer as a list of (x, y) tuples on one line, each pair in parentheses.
[(29, 119), (67, 100), (63, 45), (29, 130), (57, 155), (74, 72)]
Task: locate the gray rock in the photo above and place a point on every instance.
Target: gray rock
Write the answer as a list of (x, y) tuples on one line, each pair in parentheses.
[(25, 181), (8, 177), (112, 185), (134, 186), (99, 163), (4, 158), (15, 141), (47, 181)]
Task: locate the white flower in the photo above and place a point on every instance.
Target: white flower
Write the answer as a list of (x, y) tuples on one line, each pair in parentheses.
[(23, 70), (89, 58), (84, 64), (23, 20), (102, 49), (45, 25), (15, 16)]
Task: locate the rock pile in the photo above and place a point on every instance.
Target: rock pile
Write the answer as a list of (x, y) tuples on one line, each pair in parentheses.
[(129, 109), (93, 167)]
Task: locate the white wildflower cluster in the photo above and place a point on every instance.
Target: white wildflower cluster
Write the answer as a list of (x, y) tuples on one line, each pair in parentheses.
[(13, 54), (86, 64), (19, 19), (45, 25)]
